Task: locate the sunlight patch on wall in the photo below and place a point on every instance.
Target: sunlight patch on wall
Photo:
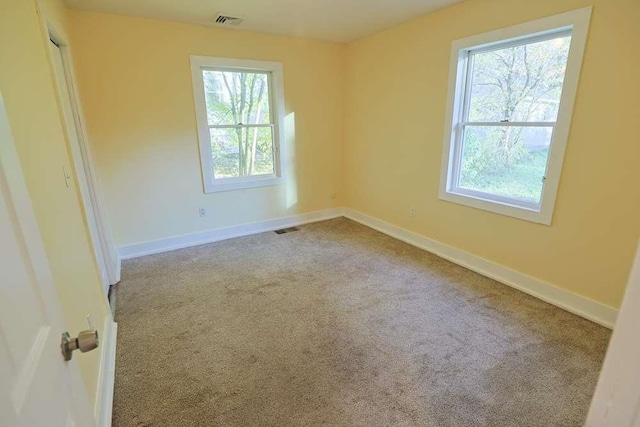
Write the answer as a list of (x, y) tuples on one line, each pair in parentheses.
[(290, 160)]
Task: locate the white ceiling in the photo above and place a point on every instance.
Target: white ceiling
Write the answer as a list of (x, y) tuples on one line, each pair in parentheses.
[(331, 20)]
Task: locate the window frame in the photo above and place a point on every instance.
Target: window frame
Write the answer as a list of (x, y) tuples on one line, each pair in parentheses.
[(576, 22), (277, 111)]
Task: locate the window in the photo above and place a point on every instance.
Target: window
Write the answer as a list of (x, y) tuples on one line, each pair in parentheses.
[(511, 95), (239, 111)]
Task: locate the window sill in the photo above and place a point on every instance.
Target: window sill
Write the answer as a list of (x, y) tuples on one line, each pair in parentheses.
[(242, 183), (519, 212)]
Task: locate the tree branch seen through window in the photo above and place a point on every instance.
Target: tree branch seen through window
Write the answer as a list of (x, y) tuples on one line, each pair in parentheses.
[(240, 121)]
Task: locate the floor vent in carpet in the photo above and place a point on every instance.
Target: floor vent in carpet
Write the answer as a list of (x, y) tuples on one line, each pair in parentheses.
[(287, 230)]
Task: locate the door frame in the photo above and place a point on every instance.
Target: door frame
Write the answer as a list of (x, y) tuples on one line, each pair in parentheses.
[(105, 253)]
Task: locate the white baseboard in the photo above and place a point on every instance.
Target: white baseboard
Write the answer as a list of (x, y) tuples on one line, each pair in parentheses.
[(112, 262), (106, 379), (118, 269), (576, 304), (187, 240)]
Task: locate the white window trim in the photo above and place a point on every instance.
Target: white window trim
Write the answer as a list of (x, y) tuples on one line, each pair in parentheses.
[(578, 22), (211, 185)]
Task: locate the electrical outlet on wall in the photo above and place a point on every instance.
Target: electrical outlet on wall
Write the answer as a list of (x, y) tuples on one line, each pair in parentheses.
[(202, 211), (412, 212)]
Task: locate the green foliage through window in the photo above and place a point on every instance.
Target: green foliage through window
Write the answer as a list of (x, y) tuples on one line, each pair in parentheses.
[(510, 87), (240, 123)]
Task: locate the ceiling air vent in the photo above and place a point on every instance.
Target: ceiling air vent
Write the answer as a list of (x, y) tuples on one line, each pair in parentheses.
[(222, 19)]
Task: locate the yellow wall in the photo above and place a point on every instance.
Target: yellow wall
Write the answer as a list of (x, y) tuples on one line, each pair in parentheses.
[(395, 107), (369, 124), (135, 83), (28, 91)]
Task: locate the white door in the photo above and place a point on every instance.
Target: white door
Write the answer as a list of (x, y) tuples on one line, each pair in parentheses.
[(616, 402), (79, 159), (37, 387)]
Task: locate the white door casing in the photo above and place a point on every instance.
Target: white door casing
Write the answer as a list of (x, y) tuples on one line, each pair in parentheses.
[(37, 387), (72, 135), (104, 252)]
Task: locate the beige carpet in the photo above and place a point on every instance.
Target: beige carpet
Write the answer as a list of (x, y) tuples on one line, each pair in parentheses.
[(337, 324)]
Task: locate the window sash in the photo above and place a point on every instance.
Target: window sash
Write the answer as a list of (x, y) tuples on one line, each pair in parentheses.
[(457, 162), (274, 153), (235, 70), (521, 41), (271, 124), (514, 124), (241, 125), (469, 58), (463, 122), (481, 195), (271, 102), (273, 136)]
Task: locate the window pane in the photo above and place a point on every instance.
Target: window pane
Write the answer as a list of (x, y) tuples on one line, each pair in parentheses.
[(243, 151), (506, 161), (519, 83), (235, 97)]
